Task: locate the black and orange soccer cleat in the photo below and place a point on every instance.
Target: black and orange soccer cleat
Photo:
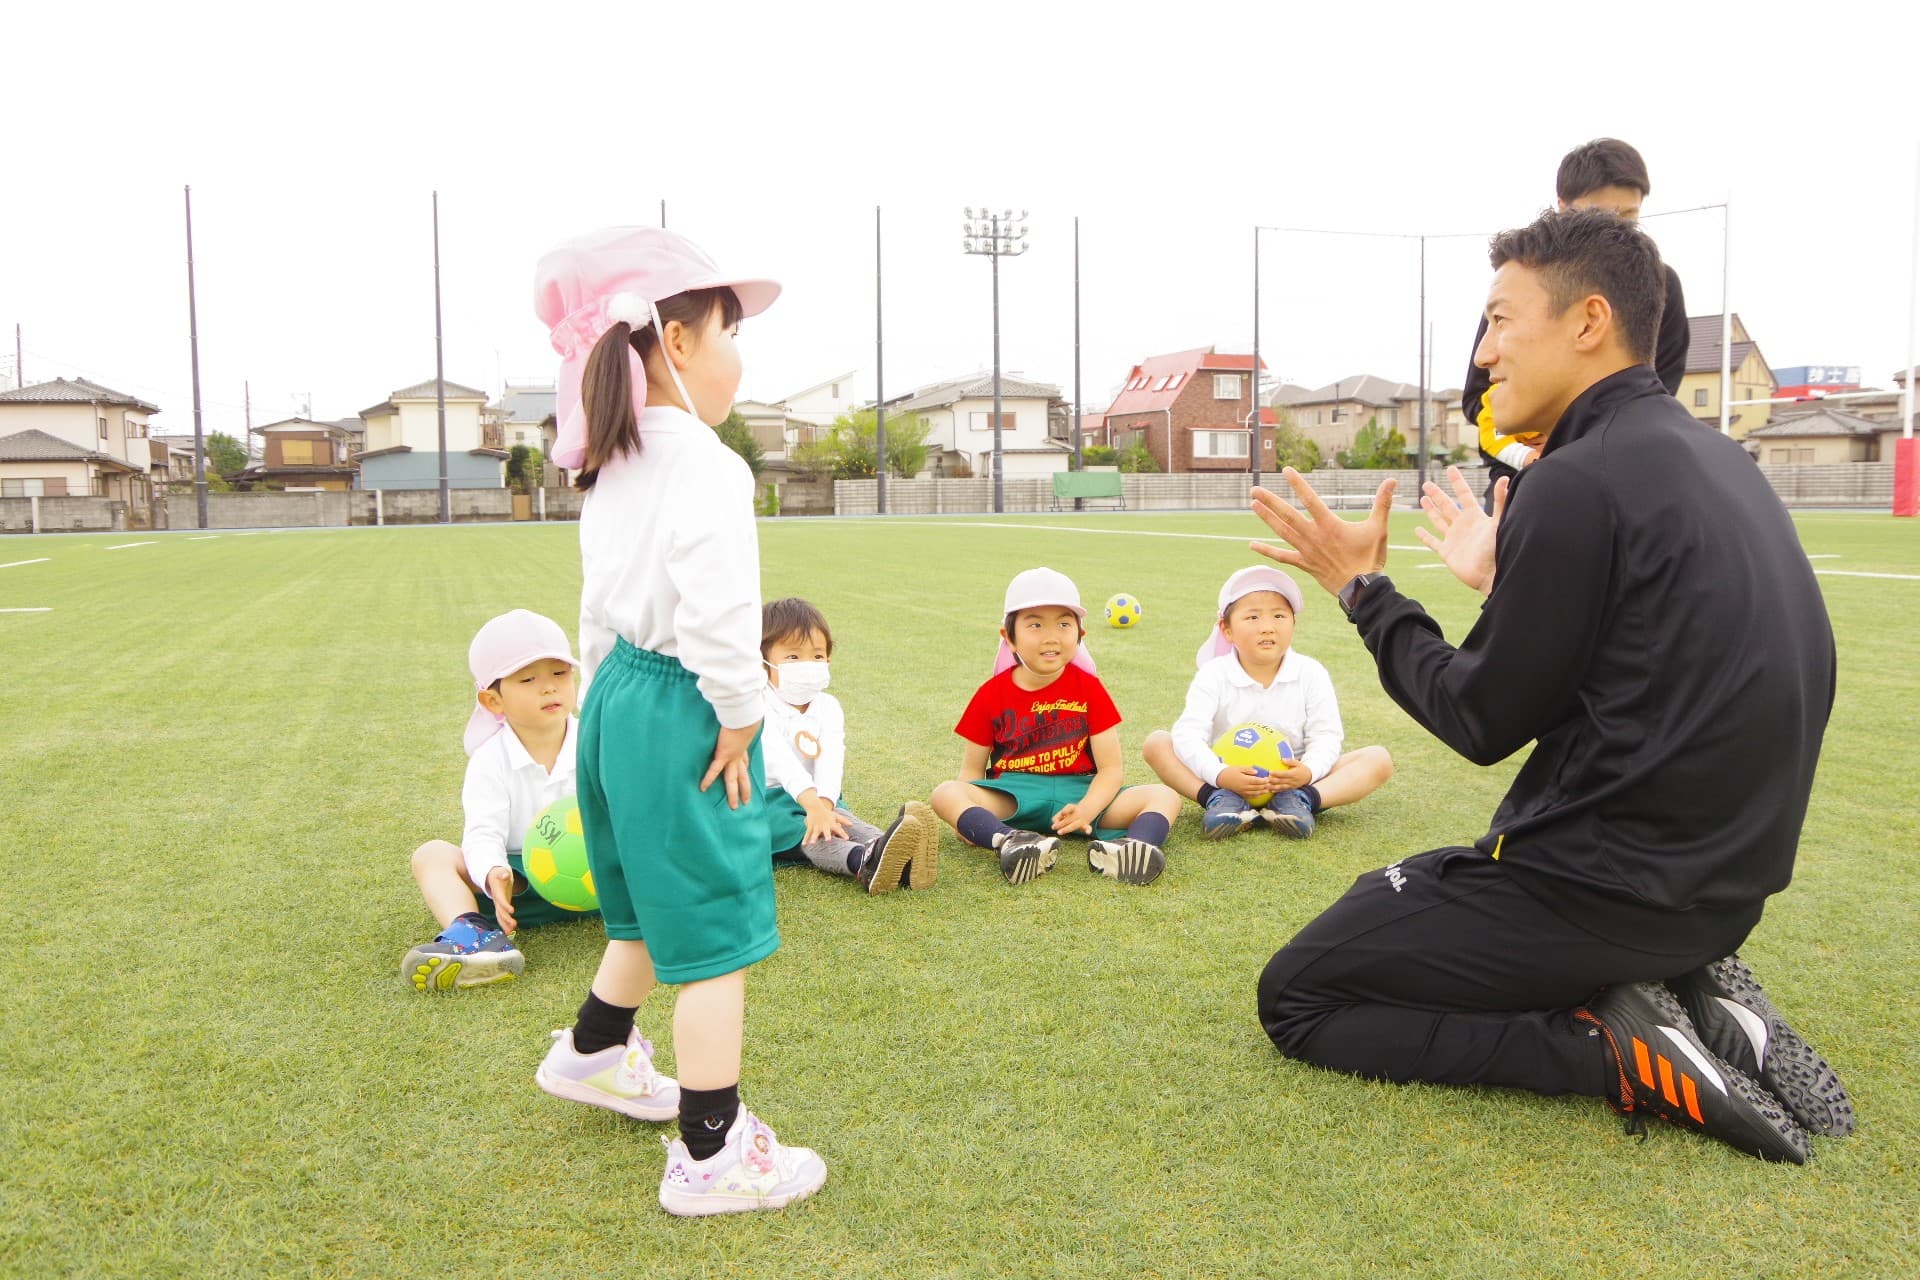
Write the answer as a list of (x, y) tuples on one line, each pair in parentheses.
[(1665, 1069), (1738, 1022)]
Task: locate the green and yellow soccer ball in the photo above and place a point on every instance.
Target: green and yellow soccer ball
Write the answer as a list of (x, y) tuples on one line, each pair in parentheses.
[(1123, 610), (555, 856), (1254, 746)]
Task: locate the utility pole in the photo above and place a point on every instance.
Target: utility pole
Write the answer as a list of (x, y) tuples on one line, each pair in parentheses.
[(193, 343), (440, 371), (1079, 463), (879, 381)]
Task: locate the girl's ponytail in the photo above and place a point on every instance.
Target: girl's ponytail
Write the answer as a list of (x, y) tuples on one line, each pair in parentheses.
[(606, 396)]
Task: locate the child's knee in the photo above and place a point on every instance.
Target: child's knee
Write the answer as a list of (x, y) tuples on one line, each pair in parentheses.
[(433, 856), (1157, 747), (1381, 761), (1163, 799)]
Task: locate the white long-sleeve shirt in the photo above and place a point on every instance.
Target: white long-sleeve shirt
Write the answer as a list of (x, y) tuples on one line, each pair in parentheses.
[(1299, 703), (504, 792), (803, 749), (670, 560)]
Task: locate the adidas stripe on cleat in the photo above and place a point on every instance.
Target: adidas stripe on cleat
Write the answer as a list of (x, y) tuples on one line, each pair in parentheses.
[(1664, 1069), (1026, 854), (1128, 861), (1736, 1020)]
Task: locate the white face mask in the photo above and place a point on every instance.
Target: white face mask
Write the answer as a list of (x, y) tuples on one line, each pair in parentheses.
[(800, 682)]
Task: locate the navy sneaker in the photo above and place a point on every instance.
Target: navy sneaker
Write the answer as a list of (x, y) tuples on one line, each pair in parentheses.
[(464, 955), (1226, 814), (1290, 814), (1738, 1022), (1026, 854), (1665, 1069)]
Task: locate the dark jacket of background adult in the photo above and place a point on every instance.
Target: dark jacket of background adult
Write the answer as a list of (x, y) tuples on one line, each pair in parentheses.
[(1655, 626)]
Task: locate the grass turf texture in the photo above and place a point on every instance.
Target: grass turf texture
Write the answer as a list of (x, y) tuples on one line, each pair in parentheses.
[(220, 752)]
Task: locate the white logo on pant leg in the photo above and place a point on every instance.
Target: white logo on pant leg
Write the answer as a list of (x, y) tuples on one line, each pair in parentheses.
[(1395, 877)]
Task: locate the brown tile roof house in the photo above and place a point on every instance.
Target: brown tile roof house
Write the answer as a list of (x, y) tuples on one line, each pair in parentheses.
[(73, 391), (37, 446), (1703, 344)]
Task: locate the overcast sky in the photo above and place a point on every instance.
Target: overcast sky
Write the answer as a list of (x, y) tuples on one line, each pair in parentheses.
[(313, 137)]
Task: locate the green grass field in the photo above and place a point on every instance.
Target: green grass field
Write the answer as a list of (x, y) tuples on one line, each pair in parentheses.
[(219, 752)]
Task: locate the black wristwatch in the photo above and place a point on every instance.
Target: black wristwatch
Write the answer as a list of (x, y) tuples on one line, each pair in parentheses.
[(1356, 588)]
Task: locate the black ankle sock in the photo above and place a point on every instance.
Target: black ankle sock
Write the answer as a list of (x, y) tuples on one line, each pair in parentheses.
[(705, 1117), (1151, 827), (1207, 792), (978, 826), (1311, 796), (600, 1025)]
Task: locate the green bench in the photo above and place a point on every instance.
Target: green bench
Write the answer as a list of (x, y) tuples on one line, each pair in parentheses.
[(1089, 486)]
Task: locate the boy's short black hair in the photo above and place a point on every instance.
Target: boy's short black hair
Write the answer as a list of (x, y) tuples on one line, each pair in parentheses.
[(1604, 162), (792, 616), (1584, 251)]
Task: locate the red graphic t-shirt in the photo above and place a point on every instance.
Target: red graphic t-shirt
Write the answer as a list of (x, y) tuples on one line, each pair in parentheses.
[(1040, 730)]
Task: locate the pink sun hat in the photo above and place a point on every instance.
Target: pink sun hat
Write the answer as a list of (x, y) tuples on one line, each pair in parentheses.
[(1032, 589), (1244, 582), (503, 646), (592, 282)]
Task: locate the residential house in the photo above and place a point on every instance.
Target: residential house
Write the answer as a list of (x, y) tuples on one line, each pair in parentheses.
[(401, 448), (301, 455), (959, 417), (170, 461), (824, 402), (1751, 378), (75, 437), (527, 416), (1332, 415), (777, 431), (1192, 411)]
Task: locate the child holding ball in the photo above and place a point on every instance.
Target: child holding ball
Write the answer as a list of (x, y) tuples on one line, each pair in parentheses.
[(520, 743), (1249, 671), (670, 771)]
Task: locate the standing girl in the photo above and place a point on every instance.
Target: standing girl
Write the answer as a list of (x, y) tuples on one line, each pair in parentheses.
[(669, 764)]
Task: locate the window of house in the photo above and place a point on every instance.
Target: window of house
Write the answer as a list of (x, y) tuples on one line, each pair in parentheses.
[(1219, 444), (1160, 383), (1803, 455), (835, 393), (297, 453), (1226, 386), (1393, 418), (1699, 397), (103, 428), (1178, 378), (980, 420)]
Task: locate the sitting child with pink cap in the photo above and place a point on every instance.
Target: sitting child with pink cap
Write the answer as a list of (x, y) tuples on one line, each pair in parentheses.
[(520, 742), (1043, 756), (1250, 673)]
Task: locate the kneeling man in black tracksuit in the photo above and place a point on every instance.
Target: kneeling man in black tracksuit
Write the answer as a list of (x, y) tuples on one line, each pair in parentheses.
[(1653, 626)]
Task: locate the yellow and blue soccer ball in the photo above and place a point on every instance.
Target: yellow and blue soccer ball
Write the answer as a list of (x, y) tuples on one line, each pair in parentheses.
[(1123, 610), (1254, 746), (555, 856)]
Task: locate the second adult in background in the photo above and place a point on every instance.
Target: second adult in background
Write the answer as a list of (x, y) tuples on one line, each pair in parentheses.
[(1603, 174)]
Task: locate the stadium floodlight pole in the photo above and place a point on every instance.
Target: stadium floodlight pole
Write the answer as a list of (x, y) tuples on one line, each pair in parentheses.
[(879, 383), (1726, 318), (1079, 462), (193, 342), (1420, 482), (440, 371), (1253, 435), (996, 236), (1906, 454)]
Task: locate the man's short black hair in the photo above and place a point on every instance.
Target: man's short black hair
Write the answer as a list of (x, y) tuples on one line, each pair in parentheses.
[(1604, 162), (791, 619), (1586, 251)]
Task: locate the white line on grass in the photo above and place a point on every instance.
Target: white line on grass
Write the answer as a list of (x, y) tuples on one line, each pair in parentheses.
[(123, 546), (15, 564), (40, 610), (1074, 528), (203, 537), (1861, 573), (1826, 555)]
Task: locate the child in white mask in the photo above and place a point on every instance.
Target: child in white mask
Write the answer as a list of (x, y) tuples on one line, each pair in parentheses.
[(805, 748)]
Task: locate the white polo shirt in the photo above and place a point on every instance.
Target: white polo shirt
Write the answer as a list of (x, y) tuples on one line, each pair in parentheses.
[(1299, 703), (670, 561), (803, 749), (504, 792)]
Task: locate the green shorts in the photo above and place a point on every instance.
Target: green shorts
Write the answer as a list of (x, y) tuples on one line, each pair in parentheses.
[(676, 867), (1038, 796), (529, 908), (786, 821)]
